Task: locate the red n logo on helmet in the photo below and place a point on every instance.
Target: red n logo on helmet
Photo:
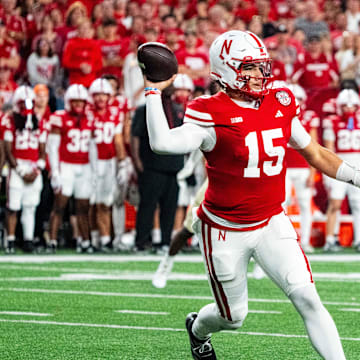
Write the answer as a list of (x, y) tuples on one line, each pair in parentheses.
[(225, 47)]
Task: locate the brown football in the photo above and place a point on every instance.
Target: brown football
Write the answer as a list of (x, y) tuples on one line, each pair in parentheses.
[(157, 61)]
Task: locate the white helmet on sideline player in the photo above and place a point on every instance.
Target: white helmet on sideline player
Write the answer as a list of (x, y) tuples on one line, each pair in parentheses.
[(348, 97), (183, 81), (101, 86), (23, 93), (75, 92), (230, 51)]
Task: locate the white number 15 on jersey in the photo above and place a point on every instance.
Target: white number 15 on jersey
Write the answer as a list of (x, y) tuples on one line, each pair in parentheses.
[(252, 170)]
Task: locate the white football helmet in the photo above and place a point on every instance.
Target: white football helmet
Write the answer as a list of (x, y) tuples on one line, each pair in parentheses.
[(347, 97), (230, 52), (75, 92), (183, 81), (298, 92), (23, 93), (101, 86)]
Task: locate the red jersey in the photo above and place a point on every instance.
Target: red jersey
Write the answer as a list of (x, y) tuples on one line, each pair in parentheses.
[(75, 136), (344, 132), (309, 120), (245, 169), (278, 70), (314, 73), (195, 61), (110, 49), (78, 51), (25, 142), (329, 107), (105, 128)]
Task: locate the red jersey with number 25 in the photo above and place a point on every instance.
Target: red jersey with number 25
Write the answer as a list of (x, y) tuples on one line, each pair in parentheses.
[(309, 120), (246, 167), (75, 133)]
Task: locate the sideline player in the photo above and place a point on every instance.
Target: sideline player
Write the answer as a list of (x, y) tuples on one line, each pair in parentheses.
[(69, 156), (25, 140), (298, 171), (111, 154), (341, 134), (241, 216)]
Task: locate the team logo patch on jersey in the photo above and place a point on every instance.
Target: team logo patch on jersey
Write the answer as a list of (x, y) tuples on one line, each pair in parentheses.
[(283, 98)]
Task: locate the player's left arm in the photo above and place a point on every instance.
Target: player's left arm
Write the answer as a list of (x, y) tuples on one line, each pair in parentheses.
[(321, 158)]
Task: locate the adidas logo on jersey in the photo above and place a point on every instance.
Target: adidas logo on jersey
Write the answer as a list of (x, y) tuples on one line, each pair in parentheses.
[(279, 114), (237, 119)]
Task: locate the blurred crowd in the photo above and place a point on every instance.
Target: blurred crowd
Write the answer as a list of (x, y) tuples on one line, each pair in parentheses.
[(68, 67)]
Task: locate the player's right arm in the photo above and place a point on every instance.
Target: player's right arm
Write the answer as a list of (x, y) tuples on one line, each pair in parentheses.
[(180, 140)]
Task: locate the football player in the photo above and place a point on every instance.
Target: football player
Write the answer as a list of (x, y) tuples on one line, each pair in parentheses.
[(342, 135), (299, 174), (25, 140), (118, 102), (111, 163), (243, 132), (69, 149)]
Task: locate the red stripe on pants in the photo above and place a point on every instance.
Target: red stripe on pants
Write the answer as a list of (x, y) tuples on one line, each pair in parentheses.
[(210, 272)]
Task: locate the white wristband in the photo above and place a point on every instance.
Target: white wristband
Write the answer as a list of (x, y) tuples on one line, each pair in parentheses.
[(348, 173)]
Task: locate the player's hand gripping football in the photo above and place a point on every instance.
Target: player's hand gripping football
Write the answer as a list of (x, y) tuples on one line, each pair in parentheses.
[(161, 85)]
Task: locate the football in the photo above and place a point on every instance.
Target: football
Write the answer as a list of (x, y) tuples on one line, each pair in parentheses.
[(157, 61)]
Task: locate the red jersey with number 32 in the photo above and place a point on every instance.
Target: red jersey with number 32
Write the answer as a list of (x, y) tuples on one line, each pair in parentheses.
[(106, 126), (309, 120), (246, 167), (75, 133)]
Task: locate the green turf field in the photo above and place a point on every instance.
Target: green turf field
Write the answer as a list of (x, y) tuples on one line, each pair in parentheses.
[(104, 307)]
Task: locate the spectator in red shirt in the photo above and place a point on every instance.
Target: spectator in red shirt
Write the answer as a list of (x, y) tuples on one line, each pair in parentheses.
[(172, 40), (9, 56), (192, 61), (82, 57), (15, 24), (314, 70), (7, 85), (47, 32), (278, 67), (113, 49), (216, 17)]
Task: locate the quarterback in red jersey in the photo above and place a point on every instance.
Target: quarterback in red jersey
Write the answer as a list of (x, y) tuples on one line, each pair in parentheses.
[(342, 135), (243, 132), (110, 164), (69, 155), (25, 140), (299, 174)]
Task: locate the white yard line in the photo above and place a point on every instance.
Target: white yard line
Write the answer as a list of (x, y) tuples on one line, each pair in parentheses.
[(350, 309), (264, 312), (159, 296), (42, 259), (26, 313), (147, 276), (125, 327), (138, 312)]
